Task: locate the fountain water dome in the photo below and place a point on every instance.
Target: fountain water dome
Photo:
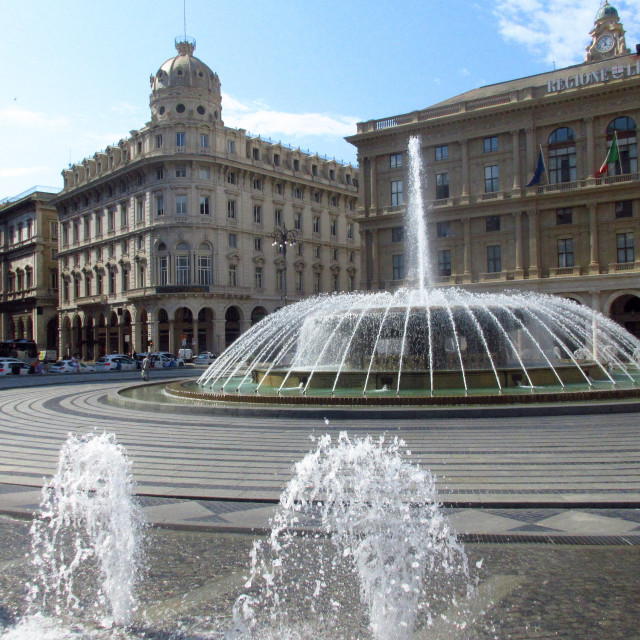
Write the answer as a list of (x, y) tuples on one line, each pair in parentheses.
[(423, 340), (388, 537), (86, 536)]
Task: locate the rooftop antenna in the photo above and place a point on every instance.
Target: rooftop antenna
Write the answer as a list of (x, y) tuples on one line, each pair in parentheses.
[(184, 17)]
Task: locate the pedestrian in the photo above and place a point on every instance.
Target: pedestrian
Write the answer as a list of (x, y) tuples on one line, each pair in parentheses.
[(74, 363), (39, 368), (146, 365)]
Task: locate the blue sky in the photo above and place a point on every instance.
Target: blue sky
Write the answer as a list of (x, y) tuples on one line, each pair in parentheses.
[(76, 74)]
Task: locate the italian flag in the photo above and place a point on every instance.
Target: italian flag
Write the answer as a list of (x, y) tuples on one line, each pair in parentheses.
[(612, 156)]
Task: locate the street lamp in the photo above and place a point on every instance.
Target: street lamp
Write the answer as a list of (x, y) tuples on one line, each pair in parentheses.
[(281, 238)]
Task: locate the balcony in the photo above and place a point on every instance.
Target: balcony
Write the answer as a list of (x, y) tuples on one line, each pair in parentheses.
[(619, 267), (562, 272), (86, 301)]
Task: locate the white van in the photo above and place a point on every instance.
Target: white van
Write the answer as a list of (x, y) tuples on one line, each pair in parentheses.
[(186, 354)]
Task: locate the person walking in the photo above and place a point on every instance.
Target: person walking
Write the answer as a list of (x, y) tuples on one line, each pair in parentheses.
[(146, 365)]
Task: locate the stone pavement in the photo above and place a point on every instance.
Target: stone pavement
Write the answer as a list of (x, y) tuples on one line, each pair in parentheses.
[(548, 478)]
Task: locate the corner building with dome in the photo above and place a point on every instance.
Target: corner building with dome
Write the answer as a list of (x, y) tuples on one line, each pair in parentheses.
[(166, 239), (532, 184)]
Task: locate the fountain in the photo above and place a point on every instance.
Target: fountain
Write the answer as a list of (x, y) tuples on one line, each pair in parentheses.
[(86, 537), (388, 539), (419, 342)]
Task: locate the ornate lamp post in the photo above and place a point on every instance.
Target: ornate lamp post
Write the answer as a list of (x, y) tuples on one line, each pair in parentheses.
[(283, 237)]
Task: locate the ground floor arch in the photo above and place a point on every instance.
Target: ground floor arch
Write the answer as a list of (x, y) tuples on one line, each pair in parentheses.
[(625, 310)]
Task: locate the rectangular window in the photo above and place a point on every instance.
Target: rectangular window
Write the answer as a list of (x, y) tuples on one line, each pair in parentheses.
[(112, 281), (442, 152), (181, 138), (299, 281), (350, 230), (564, 216), (491, 144), (296, 165), (233, 241), (74, 232), (204, 141), (204, 205), (111, 223), (65, 235), (87, 230), (257, 184), (317, 286), (99, 286), (276, 159), (233, 275), (336, 283), (124, 216), (158, 141), (395, 160), (494, 259), (334, 227), (231, 146), (163, 272), (204, 270), (231, 209), (232, 177), (159, 205), (181, 171), (258, 278), (98, 222), (297, 221), (442, 186), (334, 254), (298, 248), (257, 214), (125, 279), (182, 270), (332, 174), (315, 196), (181, 205), (205, 173), (279, 188), (624, 243), (444, 262), (398, 266), (257, 244), (280, 279), (397, 234), (139, 210), (277, 217), (396, 193), (491, 181), (565, 252), (444, 229), (316, 224), (54, 279), (160, 173), (624, 209), (53, 229), (317, 250), (492, 223), (297, 193), (256, 153), (314, 169)]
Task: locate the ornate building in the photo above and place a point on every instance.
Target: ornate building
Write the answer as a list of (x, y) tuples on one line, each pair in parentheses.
[(168, 235), (532, 183), (28, 268)]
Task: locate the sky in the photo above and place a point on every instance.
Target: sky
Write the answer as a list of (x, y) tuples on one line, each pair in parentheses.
[(303, 72)]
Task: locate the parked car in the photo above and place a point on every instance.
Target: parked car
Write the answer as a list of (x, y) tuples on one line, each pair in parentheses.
[(115, 362), (68, 366), (206, 357), (165, 357), (186, 354), (9, 366)]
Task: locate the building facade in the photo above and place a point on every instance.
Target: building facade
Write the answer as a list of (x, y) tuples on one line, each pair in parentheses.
[(515, 191), (166, 239), (29, 268)]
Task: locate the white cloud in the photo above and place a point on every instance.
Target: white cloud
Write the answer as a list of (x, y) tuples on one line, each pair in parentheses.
[(126, 108), (557, 31), (258, 118), (15, 116)]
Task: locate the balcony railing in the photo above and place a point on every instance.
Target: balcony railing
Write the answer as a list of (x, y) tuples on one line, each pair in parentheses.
[(617, 267)]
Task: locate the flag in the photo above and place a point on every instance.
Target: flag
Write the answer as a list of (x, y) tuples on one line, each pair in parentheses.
[(540, 169), (612, 156)]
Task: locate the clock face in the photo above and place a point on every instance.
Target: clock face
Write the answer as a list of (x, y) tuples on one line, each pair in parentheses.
[(604, 44)]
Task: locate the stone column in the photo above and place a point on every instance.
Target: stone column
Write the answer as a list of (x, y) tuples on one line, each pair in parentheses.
[(194, 341), (464, 145), (172, 337), (534, 270), (373, 193), (531, 153), (590, 150), (152, 328), (594, 264), (519, 273), (467, 275), (375, 261), (515, 145)]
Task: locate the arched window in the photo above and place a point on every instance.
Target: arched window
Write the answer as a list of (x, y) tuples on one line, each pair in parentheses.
[(625, 130), (163, 264), (562, 156), (204, 264), (183, 264)]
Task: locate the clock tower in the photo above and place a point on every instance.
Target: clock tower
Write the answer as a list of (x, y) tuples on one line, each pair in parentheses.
[(607, 36)]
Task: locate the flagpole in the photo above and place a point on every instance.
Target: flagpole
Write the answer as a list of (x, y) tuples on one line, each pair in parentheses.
[(544, 164), (615, 139)]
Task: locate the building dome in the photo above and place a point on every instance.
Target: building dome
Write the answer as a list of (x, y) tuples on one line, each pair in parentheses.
[(606, 11), (185, 85)]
